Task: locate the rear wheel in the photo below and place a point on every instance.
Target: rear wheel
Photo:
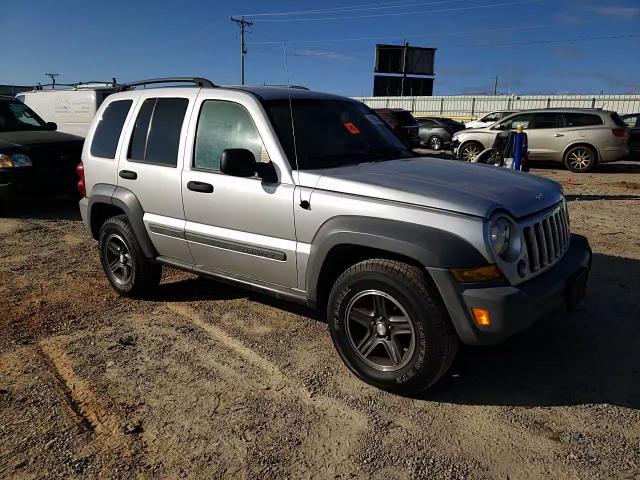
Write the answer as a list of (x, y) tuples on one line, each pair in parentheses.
[(129, 272), (580, 159), (469, 150), (388, 326)]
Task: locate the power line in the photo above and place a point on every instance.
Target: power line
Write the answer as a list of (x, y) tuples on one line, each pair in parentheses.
[(352, 17), (353, 8), (541, 42), (483, 45), (422, 35)]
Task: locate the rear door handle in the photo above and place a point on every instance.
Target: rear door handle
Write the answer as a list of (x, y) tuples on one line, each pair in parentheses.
[(128, 174), (200, 187), (559, 135)]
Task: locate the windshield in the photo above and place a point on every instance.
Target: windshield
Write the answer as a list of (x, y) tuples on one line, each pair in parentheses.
[(16, 117), (333, 133)]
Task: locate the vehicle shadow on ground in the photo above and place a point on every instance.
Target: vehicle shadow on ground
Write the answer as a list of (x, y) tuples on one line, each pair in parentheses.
[(204, 289), (624, 166), (588, 356), (587, 198), (39, 207)]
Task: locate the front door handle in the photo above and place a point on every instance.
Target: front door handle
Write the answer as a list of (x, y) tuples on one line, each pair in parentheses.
[(559, 135), (200, 187), (128, 174)]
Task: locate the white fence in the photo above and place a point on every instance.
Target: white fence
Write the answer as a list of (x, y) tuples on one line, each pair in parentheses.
[(475, 106)]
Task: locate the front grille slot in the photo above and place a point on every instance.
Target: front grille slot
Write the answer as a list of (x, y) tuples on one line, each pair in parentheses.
[(546, 240)]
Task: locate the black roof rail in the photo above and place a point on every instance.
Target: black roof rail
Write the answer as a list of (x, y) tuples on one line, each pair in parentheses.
[(299, 87), (198, 81)]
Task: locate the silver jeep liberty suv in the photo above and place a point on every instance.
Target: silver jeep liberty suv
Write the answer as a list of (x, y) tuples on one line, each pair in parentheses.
[(312, 198)]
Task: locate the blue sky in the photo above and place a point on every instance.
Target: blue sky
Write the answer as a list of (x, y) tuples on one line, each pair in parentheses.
[(84, 40)]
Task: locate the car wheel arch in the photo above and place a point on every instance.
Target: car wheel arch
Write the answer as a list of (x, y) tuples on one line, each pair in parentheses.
[(579, 143), (108, 200), (385, 238)]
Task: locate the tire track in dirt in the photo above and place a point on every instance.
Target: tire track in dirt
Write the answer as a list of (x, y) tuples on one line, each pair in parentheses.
[(332, 437), (91, 411)]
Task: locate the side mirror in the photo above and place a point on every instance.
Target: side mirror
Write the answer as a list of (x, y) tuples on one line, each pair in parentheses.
[(52, 126), (238, 162)]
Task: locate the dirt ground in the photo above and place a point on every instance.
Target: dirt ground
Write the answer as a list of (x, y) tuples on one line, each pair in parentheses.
[(209, 381)]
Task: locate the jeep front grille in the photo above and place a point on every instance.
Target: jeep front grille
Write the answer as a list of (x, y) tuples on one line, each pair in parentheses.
[(547, 239)]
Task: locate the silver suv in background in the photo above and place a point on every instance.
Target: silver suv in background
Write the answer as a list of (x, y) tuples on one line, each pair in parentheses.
[(578, 138), (312, 197)]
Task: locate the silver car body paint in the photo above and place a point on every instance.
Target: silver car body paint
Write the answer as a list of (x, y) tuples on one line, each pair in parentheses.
[(257, 231)]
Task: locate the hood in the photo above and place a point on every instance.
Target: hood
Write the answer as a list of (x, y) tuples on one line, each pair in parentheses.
[(484, 129), (35, 137), (468, 188)]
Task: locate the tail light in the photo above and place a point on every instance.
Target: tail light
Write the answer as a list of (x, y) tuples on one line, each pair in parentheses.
[(82, 188), (619, 132)]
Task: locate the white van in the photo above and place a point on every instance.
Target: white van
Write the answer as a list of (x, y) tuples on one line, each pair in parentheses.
[(72, 109)]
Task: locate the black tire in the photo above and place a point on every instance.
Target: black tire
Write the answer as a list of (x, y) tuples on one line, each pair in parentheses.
[(468, 150), (580, 159), (143, 275), (405, 291), (436, 142)]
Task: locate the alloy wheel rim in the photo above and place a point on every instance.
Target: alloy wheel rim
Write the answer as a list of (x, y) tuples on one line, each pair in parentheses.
[(580, 159), (118, 259), (469, 152), (436, 143), (380, 330)]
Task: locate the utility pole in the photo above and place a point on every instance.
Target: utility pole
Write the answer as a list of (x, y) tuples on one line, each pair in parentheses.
[(53, 79), (405, 56), (495, 87), (243, 49)]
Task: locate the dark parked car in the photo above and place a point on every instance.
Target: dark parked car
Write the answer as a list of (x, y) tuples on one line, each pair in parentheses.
[(632, 121), (403, 123), (33, 155), (435, 133)]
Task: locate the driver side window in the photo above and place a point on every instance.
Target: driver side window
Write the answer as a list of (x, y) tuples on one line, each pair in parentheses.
[(224, 125), (492, 117)]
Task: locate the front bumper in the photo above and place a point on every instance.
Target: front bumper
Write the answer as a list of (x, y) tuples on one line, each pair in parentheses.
[(515, 308)]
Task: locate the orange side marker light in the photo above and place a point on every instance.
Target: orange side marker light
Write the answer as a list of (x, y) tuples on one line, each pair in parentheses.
[(481, 316)]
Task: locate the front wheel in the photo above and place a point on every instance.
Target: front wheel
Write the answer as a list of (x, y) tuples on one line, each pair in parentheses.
[(469, 150), (388, 326)]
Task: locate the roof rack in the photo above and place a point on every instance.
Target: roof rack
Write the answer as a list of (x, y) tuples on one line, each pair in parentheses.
[(198, 81), (299, 87)]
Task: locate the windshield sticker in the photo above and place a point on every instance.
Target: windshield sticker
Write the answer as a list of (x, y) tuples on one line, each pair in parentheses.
[(375, 120), (353, 130)]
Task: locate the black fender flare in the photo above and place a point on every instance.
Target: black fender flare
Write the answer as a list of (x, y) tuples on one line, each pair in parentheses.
[(125, 200), (429, 246)]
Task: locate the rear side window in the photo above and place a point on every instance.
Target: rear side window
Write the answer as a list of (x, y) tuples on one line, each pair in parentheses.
[(107, 133), (406, 119), (627, 122), (547, 120), (156, 133), (582, 119)]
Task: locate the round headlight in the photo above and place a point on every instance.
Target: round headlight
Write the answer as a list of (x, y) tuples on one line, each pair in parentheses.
[(500, 234), (505, 238)]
